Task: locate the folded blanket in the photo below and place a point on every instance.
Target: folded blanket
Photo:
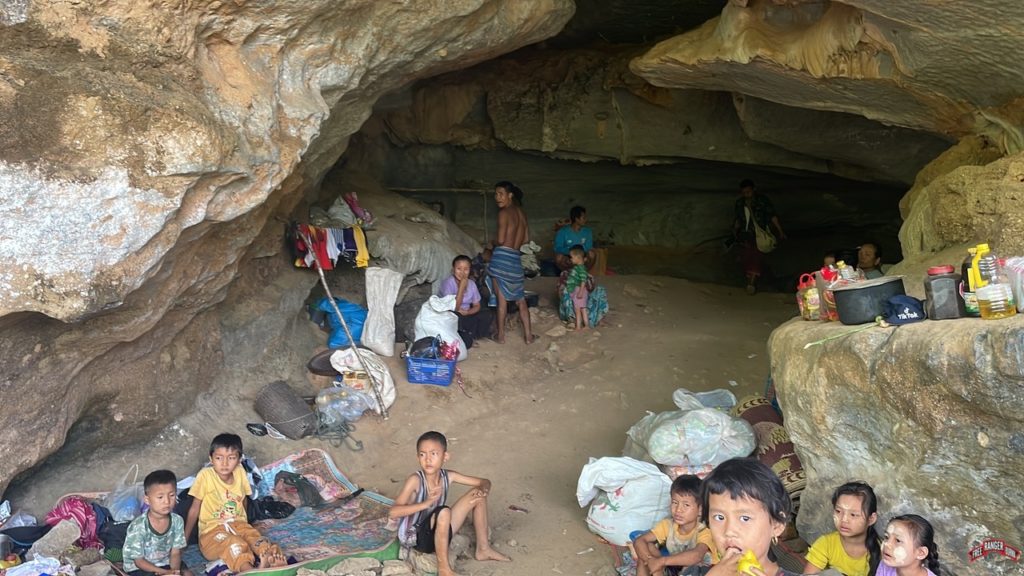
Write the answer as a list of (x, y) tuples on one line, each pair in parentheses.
[(506, 268)]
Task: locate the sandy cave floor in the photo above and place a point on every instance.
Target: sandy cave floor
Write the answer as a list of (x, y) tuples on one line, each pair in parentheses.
[(537, 412)]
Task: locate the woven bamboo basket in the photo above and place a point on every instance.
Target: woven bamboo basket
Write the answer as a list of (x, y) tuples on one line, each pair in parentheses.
[(285, 410)]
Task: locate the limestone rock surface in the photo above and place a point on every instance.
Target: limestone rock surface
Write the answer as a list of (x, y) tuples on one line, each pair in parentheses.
[(146, 152), (929, 414), (584, 104), (966, 196), (925, 65)]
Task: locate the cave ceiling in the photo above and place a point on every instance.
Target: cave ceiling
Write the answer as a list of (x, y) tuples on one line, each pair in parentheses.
[(634, 22), (949, 68)]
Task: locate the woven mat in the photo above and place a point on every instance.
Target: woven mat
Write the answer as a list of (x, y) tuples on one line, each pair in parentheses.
[(334, 531)]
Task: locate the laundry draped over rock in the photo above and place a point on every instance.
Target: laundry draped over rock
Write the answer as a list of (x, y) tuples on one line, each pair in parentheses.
[(328, 245)]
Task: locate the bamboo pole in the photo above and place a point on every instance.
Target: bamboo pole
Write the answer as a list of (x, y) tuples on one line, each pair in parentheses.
[(351, 342)]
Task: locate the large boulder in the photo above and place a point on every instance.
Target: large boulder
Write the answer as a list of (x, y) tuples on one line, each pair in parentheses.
[(931, 414), (967, 195)]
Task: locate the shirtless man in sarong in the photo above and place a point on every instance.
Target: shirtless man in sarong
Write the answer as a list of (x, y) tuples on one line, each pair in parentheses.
[(506, 268)]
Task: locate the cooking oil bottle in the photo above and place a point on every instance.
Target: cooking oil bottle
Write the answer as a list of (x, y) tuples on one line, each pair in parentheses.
[(995, 295)]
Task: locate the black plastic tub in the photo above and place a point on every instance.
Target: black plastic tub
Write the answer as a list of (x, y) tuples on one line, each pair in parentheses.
[(861, 302)]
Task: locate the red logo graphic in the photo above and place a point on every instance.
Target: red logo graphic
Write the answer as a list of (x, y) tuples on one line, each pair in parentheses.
[(993, 546)]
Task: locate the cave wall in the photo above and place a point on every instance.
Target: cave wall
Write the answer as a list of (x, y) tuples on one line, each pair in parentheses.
[(145, 153), (586, 104), (668, 219)]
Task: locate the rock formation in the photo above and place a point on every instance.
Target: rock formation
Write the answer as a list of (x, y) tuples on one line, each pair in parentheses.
[(928, 413), (584, 104), (145, 149), (923, 65)]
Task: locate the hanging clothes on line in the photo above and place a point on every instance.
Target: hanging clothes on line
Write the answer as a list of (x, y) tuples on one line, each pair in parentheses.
[(330, 245)]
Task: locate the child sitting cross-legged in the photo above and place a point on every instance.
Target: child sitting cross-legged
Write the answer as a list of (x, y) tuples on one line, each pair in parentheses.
[(427, 523), (680, 540), (218, 504), (154, 541)]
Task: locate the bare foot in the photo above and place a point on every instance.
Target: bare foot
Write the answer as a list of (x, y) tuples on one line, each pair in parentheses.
[(531, 339), (443, 572), (273, 560), (491, 554)]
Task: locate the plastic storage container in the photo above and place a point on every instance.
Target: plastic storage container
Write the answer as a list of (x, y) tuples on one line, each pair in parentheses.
[(994, 292), (429, 371), (861, 302), (942, 293)]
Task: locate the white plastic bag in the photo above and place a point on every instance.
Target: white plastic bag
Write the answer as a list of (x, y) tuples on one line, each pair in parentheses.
[(437, 318), (125, 500), (35, 567), (721, 399), (382, 287), (19, 519), (694, 435), (345, 360), (627, 495)]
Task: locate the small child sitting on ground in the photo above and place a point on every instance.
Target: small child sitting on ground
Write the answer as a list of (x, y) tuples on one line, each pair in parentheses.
[(909, 548), (576, 285), (154, 541), (686, 541), (747, 508), (218, 504), (427, 524), (852, 550)]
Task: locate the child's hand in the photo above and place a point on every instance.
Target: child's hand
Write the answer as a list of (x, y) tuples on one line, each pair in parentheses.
[(727, 566), (655, 564), (433, 495)]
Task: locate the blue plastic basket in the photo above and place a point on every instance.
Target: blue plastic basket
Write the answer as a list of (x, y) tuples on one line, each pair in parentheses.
[(428, 371)]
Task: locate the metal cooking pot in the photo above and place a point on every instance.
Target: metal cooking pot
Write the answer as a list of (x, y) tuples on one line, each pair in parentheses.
[(861, 302)]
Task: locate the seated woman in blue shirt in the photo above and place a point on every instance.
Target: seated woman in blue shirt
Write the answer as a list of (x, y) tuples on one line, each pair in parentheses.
[(574, 234)]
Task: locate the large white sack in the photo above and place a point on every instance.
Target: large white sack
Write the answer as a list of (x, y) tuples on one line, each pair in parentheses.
[(345, 360), (382, 287), (627, 495), (437, 318)]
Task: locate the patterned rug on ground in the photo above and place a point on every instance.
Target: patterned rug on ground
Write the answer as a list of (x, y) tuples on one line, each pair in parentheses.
[(337, 528)]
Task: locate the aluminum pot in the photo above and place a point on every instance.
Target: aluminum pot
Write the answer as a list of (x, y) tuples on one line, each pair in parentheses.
[(861, 302)]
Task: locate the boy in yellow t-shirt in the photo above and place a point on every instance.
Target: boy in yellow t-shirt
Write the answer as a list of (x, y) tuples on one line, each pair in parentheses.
[(218, 505), (686, 541)]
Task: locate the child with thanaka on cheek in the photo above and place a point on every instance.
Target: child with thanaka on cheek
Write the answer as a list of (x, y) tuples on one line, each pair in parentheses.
[(747, 508), (852, 550), (909, 548)]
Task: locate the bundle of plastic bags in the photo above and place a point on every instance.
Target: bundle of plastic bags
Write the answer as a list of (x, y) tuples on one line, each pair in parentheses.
[(700, 433)]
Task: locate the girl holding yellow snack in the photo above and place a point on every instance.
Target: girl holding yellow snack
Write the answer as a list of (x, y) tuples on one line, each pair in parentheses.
[(746, 508)]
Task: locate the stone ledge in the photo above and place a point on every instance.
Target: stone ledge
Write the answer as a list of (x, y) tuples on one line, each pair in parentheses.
[(930, 414)]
